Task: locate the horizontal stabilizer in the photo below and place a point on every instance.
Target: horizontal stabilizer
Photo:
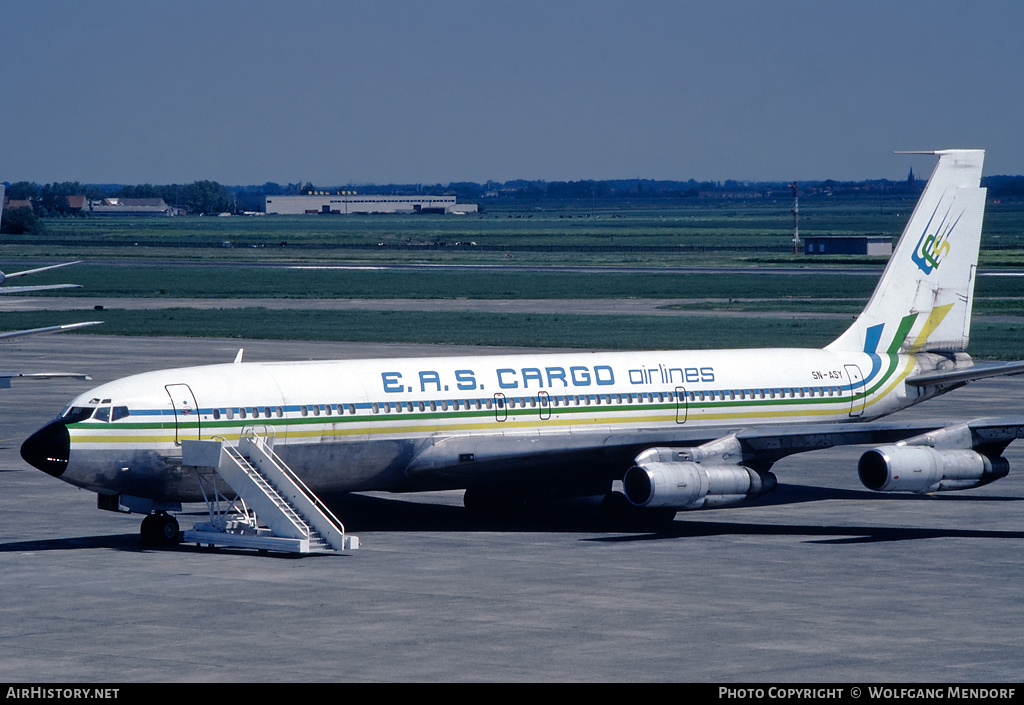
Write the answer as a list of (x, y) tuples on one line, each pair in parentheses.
[(929, 379)]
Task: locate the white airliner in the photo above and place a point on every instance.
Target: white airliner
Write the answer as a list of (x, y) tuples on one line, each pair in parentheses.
[(5, 377), (680, 429)]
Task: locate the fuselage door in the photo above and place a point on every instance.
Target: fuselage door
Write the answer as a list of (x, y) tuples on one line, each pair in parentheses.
[(857, 390), (680, 405), (186, 412)]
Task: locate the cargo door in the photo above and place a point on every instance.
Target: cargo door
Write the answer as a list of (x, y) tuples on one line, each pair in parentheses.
[(858, 395)]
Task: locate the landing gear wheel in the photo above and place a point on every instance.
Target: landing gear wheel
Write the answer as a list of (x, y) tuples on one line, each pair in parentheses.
[(160, 529)]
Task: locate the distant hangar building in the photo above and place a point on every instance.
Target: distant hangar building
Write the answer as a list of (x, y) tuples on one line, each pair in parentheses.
[(880, 245), (350, 204)]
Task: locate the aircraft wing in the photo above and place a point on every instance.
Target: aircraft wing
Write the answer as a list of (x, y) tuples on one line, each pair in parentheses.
[(6, 377), (40, 269), (462, 458), (772, 443), (47, 329), (38, 287), (44, 287), (43, 375)]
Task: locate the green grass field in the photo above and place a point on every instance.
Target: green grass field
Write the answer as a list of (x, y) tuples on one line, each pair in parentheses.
[(172, 258), (989, 340), (754, 232)]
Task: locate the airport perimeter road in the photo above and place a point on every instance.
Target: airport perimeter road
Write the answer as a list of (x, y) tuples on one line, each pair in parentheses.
[(822, 581), (596, 307), (589, 307)]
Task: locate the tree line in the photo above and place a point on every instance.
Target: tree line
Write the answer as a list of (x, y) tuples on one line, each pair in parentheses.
[(51, 200)]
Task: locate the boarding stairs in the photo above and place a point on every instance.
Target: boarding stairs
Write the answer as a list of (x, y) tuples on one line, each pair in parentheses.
[(272, 510)]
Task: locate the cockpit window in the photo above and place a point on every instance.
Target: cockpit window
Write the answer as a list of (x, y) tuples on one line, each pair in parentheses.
[(78, 413), (74, 414)]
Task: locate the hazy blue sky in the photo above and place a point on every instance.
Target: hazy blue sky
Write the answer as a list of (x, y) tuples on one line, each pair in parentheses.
[(338, 92)]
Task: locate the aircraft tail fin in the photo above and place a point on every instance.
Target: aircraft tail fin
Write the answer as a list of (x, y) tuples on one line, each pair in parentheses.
[(924, 298)]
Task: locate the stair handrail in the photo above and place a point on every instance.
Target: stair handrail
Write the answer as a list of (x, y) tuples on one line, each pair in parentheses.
[(257, 477), (251, 434)]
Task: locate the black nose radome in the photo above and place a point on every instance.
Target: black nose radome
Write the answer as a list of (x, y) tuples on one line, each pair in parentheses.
[(48, 449)]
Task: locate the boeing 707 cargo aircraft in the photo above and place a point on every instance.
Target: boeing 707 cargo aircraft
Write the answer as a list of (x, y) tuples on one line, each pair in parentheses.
[(681, 430)]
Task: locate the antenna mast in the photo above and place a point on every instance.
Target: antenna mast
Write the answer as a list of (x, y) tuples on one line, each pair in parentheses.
[(796, 218)]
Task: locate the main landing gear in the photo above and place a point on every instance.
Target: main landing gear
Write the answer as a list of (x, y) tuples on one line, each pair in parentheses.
[(160, 529)]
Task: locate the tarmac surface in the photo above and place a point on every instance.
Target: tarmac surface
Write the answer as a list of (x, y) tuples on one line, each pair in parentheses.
[(822, 581)]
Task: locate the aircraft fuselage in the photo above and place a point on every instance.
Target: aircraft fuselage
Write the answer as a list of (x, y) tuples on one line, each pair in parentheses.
[(431, 423)]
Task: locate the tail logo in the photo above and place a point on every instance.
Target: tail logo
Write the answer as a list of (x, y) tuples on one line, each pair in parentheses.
[(932, 249)]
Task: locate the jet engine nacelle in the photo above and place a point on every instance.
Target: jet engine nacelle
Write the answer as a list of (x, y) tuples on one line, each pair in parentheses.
[(925, 469), (691, 485)]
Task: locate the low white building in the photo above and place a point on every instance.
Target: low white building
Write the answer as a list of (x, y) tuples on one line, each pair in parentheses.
[(349, 204), (131, 206)]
